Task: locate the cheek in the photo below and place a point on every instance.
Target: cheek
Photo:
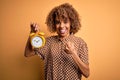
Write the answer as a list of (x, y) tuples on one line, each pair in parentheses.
[(68, 26)]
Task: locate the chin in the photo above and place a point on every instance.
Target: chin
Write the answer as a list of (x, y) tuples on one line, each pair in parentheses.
[(63, 35)]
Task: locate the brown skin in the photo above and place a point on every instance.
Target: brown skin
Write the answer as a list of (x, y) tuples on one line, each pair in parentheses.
[(63, 28)]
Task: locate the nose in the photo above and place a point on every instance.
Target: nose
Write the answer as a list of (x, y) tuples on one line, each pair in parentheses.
[(61, 24)]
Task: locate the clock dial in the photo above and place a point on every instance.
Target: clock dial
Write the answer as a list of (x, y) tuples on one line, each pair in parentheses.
[(37, 42)]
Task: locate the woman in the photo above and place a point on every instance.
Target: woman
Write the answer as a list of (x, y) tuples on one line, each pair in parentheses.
[(65, 56)]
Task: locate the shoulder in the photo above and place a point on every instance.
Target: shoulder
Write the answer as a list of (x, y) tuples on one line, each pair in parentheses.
[(50, 38), (79, 40)]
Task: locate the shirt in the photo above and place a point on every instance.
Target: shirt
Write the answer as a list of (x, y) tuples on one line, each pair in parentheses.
[(58, 64)]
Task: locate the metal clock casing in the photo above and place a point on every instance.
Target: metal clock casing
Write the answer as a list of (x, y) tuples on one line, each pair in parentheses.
[(37, 40)]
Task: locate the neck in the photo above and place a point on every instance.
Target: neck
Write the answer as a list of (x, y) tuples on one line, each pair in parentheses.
[(63, 37)]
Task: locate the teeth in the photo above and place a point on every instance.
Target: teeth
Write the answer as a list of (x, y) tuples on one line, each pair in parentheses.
[(62, 31)]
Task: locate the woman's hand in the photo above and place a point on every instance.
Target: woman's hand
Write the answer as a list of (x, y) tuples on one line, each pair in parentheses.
[(34, 27), (70, 48)]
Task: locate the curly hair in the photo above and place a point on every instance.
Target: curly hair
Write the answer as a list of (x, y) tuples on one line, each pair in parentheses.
[(64, 11)]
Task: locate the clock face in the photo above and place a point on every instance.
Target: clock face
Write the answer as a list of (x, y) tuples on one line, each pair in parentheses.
[(37, 42)]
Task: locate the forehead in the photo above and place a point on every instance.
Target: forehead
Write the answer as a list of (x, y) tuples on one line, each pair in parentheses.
[(62, 18)]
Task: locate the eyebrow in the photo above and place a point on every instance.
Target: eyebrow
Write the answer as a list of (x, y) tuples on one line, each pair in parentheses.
[(62, 19)]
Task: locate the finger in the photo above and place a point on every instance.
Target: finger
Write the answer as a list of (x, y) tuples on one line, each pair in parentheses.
[(66, 48), (32, 25), (68, 44), (32, 28), (36, 27)]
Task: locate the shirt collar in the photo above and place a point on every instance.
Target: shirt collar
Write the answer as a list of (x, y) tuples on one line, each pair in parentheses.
[(66, 38)]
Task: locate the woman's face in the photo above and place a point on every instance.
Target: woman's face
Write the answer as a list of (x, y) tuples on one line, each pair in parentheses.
[(62, 27)]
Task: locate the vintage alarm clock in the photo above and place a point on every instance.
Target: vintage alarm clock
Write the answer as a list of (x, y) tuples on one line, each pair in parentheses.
[(37, 40)]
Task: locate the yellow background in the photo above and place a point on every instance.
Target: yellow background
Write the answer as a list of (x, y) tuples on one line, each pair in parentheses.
[(100, 29)]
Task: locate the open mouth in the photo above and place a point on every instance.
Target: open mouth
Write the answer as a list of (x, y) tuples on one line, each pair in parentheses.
[(62, 31)]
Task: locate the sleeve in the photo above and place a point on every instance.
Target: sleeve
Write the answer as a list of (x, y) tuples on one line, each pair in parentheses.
[(83, 52), (44, 50)]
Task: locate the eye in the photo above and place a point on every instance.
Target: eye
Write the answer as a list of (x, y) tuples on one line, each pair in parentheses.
[(57, 22), (65, 21)]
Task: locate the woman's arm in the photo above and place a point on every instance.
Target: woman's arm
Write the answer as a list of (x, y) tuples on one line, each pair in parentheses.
[(70, 49), (28, 49), (83, 67)]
